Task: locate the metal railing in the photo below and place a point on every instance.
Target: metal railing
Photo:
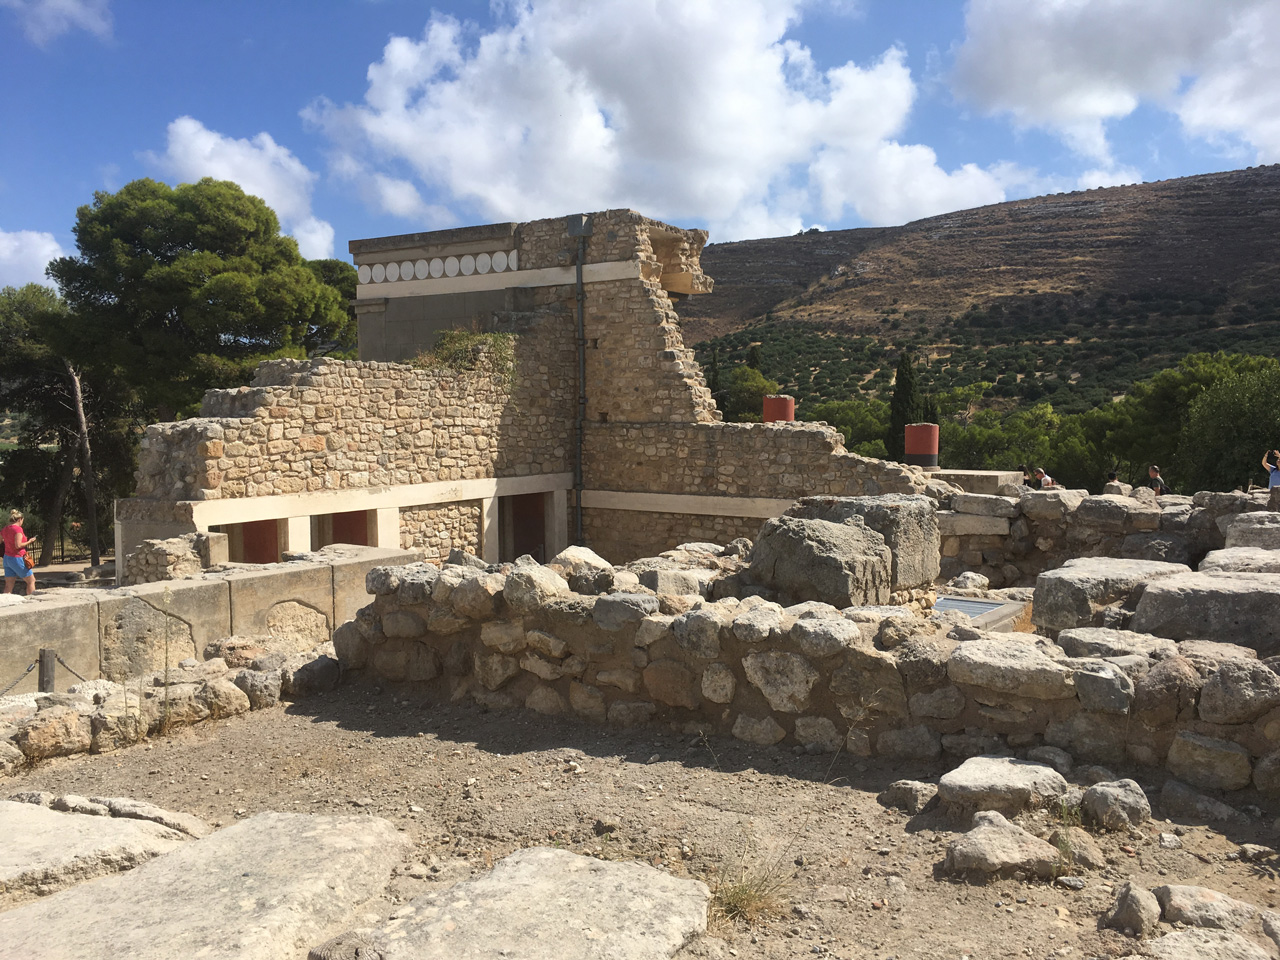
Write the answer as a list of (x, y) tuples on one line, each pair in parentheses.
[(46, 682)]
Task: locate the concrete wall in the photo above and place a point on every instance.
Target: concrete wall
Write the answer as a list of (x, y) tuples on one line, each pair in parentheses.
[(122, 633)]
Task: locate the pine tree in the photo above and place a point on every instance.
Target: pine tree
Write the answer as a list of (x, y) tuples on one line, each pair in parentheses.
[(754, 359)]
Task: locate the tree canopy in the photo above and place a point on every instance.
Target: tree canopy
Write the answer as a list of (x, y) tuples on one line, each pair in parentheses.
[(185, 288)]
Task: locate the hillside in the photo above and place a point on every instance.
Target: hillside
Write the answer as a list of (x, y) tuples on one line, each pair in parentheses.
[(1068, 297)]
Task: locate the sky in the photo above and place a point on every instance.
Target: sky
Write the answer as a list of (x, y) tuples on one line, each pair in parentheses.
[(750, 118)]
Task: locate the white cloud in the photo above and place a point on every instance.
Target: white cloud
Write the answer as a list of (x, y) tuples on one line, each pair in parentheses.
[(46, 20), (704, 111), (1075, 66), (23, 256), (260, 166)]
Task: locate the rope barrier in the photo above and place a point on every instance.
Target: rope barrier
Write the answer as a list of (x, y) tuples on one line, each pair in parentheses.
[(68, 666), (30, 667)]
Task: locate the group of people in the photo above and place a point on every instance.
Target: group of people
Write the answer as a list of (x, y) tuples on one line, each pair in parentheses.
[(1038, 477)]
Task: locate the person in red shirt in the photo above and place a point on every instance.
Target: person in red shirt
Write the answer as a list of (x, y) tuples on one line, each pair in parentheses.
[(15, 554)]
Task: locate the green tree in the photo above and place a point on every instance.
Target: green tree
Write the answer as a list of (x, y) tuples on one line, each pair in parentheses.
[(187, 288), (1227, 429), (864, 423), (906, 406), (744, 400), (754, 358)]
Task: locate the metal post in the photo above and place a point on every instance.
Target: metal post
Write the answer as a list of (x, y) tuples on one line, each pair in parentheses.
[(48, 659)]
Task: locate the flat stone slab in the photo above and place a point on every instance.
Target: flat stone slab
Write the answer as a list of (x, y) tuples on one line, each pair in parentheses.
[(1236, 607), (1000, 783), (542, 904), (1241, 560), (44, 850), (1203, 945), (1255, 529), (265, 888), (1073, 594), (1106, 642)]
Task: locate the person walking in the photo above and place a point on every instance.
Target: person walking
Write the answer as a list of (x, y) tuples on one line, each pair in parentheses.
[(1156, 482), (16, 566), (1273, 469)]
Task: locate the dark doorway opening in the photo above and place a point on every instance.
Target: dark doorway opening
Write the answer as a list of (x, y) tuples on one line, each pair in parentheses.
[(522, 527)]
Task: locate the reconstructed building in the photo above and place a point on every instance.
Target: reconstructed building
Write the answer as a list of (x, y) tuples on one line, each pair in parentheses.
[(595, 427)]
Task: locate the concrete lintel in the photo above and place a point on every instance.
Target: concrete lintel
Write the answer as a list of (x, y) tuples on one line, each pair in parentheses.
[(208, 513), (761, 507), (544, 277)]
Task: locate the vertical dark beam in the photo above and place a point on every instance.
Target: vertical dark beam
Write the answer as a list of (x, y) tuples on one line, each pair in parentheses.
[(47, 664)]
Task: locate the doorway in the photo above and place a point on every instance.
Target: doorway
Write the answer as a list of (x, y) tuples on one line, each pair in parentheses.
[(522, 527)]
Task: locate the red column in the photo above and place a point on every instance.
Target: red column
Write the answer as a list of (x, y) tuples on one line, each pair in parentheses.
[(922, 444), (779, 408)]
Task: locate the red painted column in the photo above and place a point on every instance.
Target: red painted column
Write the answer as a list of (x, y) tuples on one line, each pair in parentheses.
[(779, 408), (922, 444)]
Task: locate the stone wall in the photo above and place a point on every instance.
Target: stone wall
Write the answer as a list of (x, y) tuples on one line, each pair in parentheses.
[(156, 560), (873, 680), (432, 531), (627, 534), (1012, 539)]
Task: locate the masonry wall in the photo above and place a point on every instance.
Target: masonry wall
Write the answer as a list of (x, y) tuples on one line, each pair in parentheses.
[(627, 534), (432, 531), (873, 681)]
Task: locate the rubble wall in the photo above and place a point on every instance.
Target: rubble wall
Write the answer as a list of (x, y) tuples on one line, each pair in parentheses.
[(874, 681)]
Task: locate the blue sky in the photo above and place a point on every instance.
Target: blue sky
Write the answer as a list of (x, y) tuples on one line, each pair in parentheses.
[(359, 118)]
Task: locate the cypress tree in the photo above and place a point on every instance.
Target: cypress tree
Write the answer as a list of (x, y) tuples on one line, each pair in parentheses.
[(907, 405), (754, 360)]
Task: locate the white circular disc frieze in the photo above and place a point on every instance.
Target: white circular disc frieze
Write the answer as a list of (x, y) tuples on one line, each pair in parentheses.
[(437, 267), (406, 270), (365, 273), (467, 265), (393, 271), (379, 273), (499, 261), (512, 262), (451, 266), (483, 263), (420, 269)]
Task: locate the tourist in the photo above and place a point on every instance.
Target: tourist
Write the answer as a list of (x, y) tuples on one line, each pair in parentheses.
[(1273, 469), (1046, 481), (16, 566), (1156, 482), (1026, 475)]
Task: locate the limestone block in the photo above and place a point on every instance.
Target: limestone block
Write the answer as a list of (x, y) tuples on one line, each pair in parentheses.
[(911, 796), (818, 734), (505, 636), (495, 670), (1203, 907), (759, 624), (255, 593), (1096, 737), (528, 588), (945, 703), (997, 848), (868, 683), (718, 683), (1260, 530), (543, 699), (842, 564), (908, 525), (1116, 805), (1197, 944), (616, 611), (1241, 560), (785, 679), (826, 637), (530, 905), (676, 582), (67, 621), (403, 623), (1213, 606), (1114, 515), (586, 701), (56, 731), (1000, 783), (283, 877), (763, 731), (1166, 690), (1108, 642), (1239, 691), (972, 525), (1103, 687), (1012, 666), (1209, 763), (1074, 594), (1135, 909), (479, 597), (984, 505), (1050, 505), (910, 743), (1165, 547), (45, 851), (698, 632)]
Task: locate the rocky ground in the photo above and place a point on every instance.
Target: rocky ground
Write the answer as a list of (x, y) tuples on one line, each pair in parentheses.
[(850, 877)]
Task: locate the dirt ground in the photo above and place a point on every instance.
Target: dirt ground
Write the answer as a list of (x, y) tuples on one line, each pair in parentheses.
[(855, 880)]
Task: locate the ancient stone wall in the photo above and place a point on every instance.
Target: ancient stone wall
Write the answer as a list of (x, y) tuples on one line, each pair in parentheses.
[(872, 680), (433, 531), (627, 534)]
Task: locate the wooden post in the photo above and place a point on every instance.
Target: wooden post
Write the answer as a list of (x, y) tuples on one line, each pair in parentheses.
[(47, 664)]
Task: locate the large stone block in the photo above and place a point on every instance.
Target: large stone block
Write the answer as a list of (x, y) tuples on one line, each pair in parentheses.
[(264, 888), (972, 525), (137, 621), (1010, 664), (1209, 763), (1241, 560), (1074, 594), (908, 524), (531, 905), (1054, 504), (350, 564), (1236, 607), (276, 600), (67, 622), (1254, 529), (984, 505), (1114, 515), (844, 564)]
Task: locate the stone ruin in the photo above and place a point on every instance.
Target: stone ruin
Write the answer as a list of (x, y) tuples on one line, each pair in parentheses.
[(822, 634)]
